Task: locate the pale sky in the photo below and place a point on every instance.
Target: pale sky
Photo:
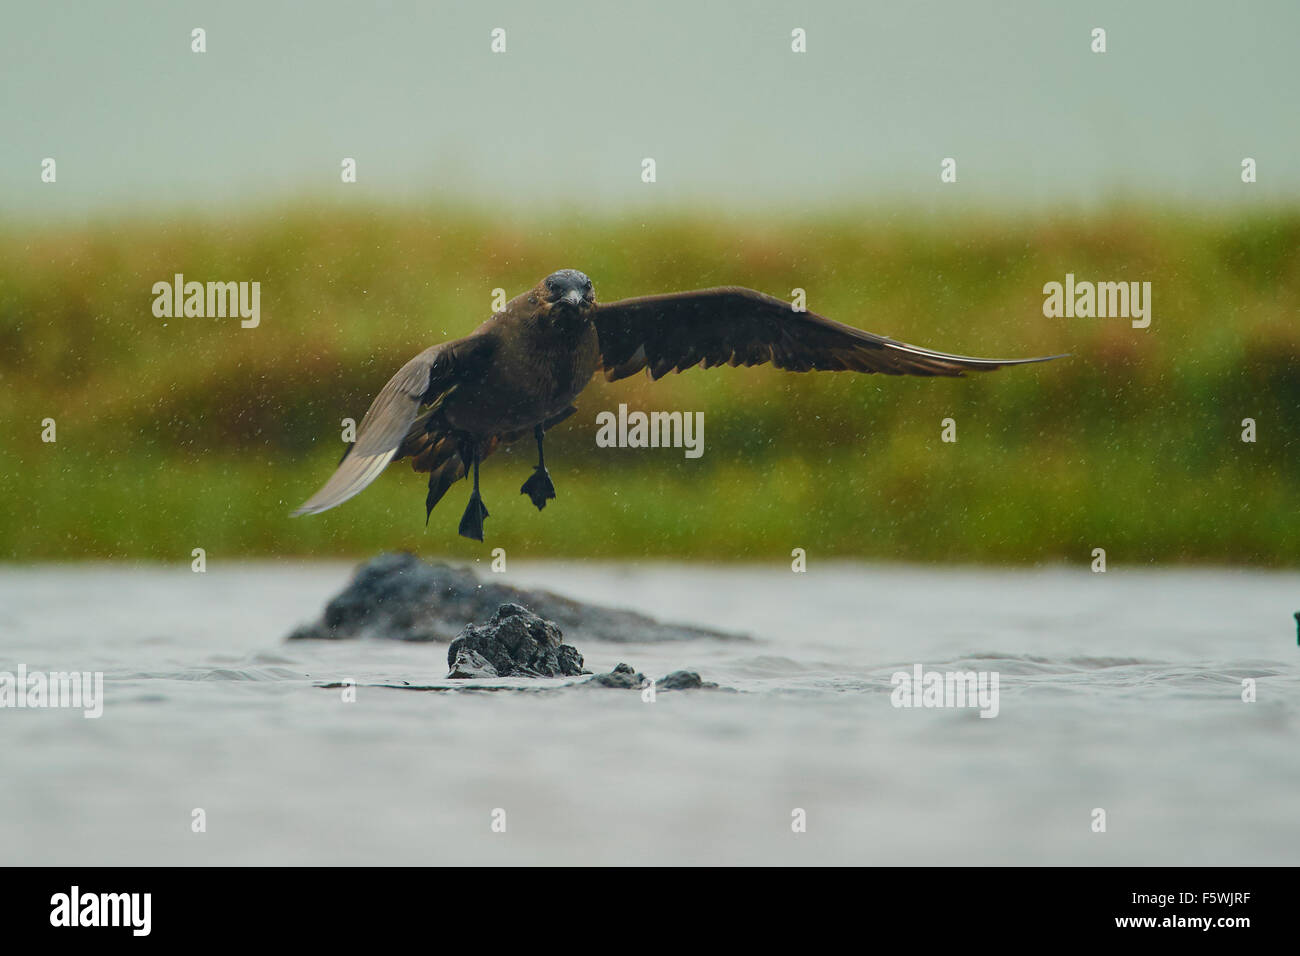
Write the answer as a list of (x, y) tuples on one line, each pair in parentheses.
[(586, 90)]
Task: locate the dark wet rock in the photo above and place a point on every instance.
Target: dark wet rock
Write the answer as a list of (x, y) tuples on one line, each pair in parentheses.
[(515, 643), (622, 677), (469, 664), (400, 597), (682, 680)]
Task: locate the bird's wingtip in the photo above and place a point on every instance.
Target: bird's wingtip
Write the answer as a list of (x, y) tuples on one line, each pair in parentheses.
[(308, 507)]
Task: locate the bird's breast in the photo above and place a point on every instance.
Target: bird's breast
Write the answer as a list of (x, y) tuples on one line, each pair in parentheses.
[(535, 374)]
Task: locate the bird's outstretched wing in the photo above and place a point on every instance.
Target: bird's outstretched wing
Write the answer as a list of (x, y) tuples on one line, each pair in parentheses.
[(735, 326), (425, 380)]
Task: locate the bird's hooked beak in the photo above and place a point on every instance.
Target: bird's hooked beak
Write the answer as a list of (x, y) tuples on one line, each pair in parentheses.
[(572, 297)]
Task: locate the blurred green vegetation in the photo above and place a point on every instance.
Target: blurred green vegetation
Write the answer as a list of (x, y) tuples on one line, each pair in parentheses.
[(183, 433)]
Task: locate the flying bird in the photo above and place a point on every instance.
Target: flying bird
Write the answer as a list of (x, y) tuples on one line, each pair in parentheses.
[(519, 372)]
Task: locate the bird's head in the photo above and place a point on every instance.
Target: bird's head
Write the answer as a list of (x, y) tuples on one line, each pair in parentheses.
[(566, 294)]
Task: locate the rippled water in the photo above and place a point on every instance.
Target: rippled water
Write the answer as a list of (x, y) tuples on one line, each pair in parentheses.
[(1119, 691)]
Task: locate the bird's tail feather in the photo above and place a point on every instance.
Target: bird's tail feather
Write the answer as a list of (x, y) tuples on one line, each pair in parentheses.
[(437, 452)]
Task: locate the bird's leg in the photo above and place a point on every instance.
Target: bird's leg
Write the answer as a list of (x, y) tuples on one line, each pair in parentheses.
[(471, 522), (539, 486)]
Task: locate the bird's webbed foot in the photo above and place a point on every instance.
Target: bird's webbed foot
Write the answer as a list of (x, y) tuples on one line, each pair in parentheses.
[(539, 487), (471, 522)]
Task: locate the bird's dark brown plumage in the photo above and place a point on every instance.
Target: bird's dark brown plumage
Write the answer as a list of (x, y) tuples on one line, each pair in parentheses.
[(517, 374), (735, 326)]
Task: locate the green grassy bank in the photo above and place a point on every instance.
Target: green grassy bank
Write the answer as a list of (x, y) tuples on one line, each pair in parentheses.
[(182, 433)]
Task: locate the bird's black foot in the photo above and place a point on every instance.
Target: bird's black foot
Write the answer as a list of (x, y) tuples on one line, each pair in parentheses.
[(471, 522), (539, 487)]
